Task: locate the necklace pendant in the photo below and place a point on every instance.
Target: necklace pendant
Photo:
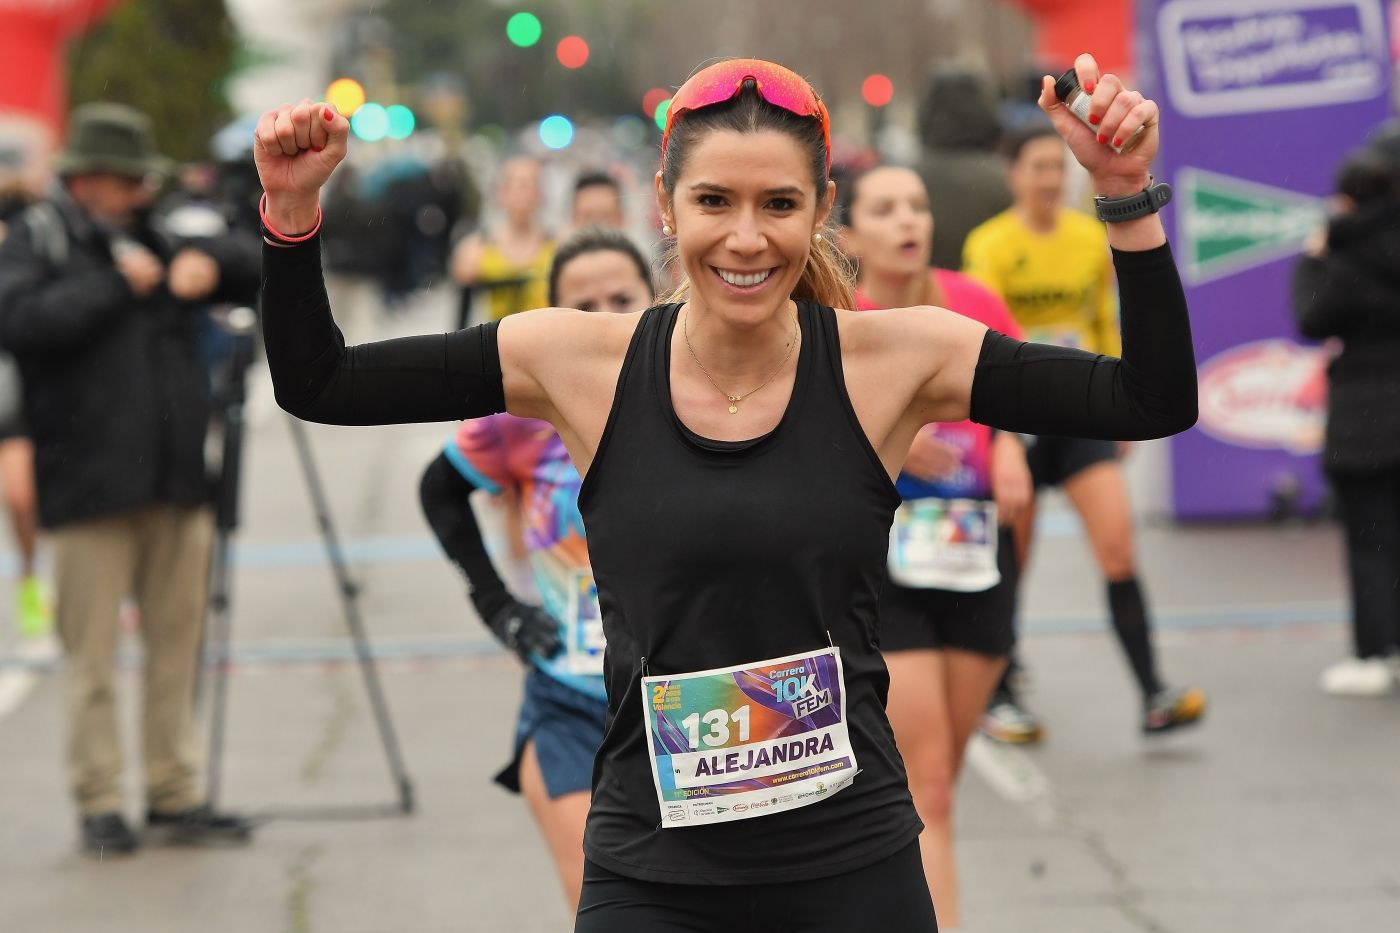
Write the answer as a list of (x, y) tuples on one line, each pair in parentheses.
[(733, 409)]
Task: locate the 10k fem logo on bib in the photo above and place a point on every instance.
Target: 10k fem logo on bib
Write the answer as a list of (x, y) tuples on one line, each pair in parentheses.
[(740, 742)]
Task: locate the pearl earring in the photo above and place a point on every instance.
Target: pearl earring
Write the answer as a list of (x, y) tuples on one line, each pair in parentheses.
[(816, 238), (666, 230)]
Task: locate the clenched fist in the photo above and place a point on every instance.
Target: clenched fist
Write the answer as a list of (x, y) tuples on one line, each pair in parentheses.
[(295, 148), (1117, 113)]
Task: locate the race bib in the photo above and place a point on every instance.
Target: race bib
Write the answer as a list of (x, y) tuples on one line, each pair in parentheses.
[(584, 626), (741, 742), (945, 544)]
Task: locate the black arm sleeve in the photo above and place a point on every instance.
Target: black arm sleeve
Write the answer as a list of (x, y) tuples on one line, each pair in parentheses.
[(443, 492), (443, 377), (1149, 392)]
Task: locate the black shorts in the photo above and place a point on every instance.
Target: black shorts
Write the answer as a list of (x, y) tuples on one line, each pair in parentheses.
[(890, 896), (1055, 459), (931, 620), (566, 726)]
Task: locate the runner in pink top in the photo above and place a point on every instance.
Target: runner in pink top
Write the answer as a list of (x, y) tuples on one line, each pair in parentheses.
[(946, 613)]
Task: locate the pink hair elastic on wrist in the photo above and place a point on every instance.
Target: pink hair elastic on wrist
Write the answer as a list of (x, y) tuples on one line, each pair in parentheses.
[(282, 237)]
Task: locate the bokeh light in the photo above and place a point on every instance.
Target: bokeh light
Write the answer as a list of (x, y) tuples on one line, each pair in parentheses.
[(556, 131), (652, 99), (877, 89), (630, 132), (401, 121), (346, 95), (524, 29), (572, 52), (370, 122), (659, 116)]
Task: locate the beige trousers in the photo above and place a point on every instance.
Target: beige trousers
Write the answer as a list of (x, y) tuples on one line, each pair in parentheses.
[(159, 555)]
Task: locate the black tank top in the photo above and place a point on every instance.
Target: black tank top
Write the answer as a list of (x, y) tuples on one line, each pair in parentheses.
[(711, 554)]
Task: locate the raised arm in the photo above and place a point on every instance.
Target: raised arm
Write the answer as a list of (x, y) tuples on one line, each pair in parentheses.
[(441, 377), (1030, 388)]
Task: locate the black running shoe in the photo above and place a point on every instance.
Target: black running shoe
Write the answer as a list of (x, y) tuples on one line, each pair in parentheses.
[(107, 834), (197, 826)]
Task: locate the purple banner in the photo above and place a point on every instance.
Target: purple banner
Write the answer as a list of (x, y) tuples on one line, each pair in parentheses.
[(1260, 101)]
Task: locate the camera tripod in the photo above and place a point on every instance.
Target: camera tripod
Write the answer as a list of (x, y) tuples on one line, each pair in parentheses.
[(240, 325)]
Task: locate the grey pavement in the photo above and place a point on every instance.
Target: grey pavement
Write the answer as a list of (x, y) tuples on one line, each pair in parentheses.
[(1280, 814)]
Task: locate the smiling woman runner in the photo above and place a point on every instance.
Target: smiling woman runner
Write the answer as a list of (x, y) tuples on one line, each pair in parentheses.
[(560, 724), (946, 612), (738, 449)]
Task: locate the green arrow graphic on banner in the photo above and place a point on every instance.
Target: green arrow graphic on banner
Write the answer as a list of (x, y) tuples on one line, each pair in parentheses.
[(1227, 225)]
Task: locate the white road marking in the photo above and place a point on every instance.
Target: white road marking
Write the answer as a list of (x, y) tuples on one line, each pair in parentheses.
[(14, 687), (17, 682)]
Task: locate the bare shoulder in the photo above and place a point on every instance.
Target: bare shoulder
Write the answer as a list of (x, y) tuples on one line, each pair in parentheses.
[(546, 330), (552, 353), (895, 332)]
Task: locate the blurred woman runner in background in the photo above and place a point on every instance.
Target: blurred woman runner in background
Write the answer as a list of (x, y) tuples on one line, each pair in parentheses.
[(560, 724), (946, 614), (739, 447), (1052, 267), (510, 263)]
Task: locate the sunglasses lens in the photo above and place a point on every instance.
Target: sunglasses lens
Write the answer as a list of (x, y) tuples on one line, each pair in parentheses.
[(776, 84), (718, 83)]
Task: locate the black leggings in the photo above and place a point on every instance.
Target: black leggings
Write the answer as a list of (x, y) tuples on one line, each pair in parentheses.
[(1370, 508), (890, 896)]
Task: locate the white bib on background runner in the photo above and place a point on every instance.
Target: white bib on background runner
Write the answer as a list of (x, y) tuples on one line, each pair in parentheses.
[(945, 544), (585, 626), (740, 742)]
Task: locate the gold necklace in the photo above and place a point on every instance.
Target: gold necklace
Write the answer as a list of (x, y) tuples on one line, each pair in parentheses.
[(734, 400)]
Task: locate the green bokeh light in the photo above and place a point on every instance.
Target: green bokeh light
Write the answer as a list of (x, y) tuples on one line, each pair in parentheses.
[(370, 122), (556, 131), (401, 121), (662, 109), (524, 29)]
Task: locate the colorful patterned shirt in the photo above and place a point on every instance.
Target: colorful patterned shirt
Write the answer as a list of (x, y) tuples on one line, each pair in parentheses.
[(503, 453)]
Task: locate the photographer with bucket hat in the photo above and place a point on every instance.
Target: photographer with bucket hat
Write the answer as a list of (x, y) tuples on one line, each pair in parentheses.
[(98, 307)]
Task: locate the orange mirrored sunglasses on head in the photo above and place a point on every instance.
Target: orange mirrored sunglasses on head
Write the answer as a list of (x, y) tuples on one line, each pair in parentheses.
[(776, 84)]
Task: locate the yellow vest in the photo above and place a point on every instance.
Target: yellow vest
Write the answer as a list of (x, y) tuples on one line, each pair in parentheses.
[(1058, 285), (508, 299)]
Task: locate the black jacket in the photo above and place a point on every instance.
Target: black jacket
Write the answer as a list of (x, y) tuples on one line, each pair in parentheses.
[(1353, 292), (115, 398)]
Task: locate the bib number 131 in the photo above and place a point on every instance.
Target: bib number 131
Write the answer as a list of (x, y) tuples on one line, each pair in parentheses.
[(718, 721)]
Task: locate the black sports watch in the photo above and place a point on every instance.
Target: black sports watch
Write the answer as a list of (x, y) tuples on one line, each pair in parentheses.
[(1149, 200)]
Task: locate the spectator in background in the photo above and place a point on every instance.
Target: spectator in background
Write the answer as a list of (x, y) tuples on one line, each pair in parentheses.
[(35, 615), (964, 174), (98, 308), (1349, 288), (510, 263), (597, 202)]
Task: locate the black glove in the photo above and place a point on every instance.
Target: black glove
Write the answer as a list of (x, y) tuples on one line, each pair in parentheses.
[(527, 630)]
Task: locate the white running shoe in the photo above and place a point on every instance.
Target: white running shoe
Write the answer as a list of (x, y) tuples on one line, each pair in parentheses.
[(1357, 677)]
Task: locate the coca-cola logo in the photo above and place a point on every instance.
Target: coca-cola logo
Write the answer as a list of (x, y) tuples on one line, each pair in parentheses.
[(1266, 394)]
